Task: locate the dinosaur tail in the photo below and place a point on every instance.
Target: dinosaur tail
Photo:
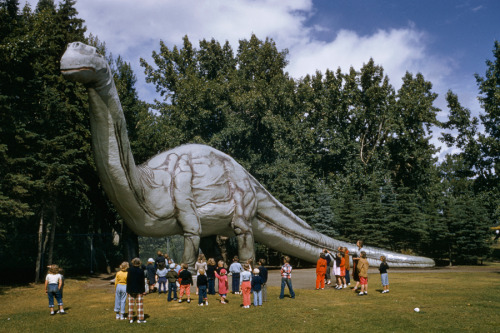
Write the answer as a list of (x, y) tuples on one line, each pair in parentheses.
[(277, 227)]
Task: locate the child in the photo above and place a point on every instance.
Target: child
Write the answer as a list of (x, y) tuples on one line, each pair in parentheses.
[(355, 260), (286, 278), (363, 274), (161, 274), (342, 283), (53, 285), (186, 282), (151, 274), (121, 290), (211, 276), (202, 284), (246, 286), (200, 264), (347, 266), (223, 285), (263, 275), (172, 277), (329, 266), (257, 288), (383, 274), (136, 290), (321, 271), (235, 270)]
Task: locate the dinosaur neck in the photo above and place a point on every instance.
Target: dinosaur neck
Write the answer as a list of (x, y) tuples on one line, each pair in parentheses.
[(114, 160)]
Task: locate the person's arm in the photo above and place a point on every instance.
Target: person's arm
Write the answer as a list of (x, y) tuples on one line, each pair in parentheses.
[(60, 282), (46, 284)]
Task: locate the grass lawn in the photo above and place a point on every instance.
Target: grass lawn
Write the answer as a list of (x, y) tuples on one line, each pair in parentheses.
[(450, 301)]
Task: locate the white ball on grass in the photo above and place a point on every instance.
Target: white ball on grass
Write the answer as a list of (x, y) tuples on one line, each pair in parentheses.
[(416, 310)]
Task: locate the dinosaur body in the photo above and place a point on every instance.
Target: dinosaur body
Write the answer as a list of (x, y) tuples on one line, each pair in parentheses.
[(193, 190)]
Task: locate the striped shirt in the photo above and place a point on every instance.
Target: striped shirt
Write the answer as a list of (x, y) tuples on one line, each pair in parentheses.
[(286, 271)]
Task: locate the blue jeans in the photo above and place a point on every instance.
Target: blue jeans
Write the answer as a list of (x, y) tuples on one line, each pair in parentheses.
[(236, 282), (172, 288), (257, 297), (288, 282), (202, 294), (347, 277), (53, 291), (211, 286), (385, 279), (162, 282), (120, 298)]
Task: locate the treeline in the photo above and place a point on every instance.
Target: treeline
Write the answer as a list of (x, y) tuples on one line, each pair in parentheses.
[(345, 151)]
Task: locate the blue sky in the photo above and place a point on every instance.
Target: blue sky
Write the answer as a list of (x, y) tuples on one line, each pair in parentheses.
[(448, 41)]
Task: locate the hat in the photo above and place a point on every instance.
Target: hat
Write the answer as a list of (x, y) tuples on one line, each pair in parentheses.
[(223, 271), (172, 266), (256, 271), (151, 260)]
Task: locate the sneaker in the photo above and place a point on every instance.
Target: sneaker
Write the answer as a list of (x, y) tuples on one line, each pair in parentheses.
[(201, 304), (189, 301), (62, 312), (131, 321), (121, 317), (52, 313), (206, 303), (180, 301), (345, 286), (141, 322), (117, 316), (361, 294)]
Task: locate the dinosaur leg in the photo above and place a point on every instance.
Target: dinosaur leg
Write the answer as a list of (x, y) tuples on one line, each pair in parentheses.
[(186, 212), (245, 204)]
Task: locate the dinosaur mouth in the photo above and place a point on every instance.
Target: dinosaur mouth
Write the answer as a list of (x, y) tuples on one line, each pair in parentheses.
[(79, 69)]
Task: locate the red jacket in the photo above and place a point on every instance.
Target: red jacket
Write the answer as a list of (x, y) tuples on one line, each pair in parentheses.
[(321, 266)]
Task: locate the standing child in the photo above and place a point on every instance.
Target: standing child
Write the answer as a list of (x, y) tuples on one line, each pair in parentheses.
[(355, 260), (336, 269), (246, 285), (186, 282), (383, 274), (53, 285), (257, 288), (121, 290), (202, 284), (235, 270), (161, 274), (201, 263), (263, 275), (342, 269), (223, 285), (286, 278), (211, 276), (363, 266), (347, 266), (136, 290), (151, 274), (321, 271), (172, 277)]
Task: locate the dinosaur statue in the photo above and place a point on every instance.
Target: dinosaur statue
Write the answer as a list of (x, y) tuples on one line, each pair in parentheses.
[(193, 190)]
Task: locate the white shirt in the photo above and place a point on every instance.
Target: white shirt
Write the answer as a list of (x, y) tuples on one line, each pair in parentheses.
[(53, 278)]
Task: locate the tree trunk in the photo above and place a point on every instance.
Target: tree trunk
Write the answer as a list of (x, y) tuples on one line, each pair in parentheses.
[(52, 235), (40, 249), (130, 243)]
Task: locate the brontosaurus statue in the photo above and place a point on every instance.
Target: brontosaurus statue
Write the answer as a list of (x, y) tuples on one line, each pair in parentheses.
[(193, 190)]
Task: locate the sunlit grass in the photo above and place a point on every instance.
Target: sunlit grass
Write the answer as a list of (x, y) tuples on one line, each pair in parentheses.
[(449, 302)]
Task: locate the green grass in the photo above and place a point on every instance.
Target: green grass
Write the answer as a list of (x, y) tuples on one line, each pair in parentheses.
[(449, 302)]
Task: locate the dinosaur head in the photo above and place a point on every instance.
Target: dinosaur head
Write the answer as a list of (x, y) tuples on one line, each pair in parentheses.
[(81, 63)]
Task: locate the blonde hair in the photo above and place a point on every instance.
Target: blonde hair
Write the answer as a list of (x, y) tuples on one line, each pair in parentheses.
[(136, 262), (201, 271), (124, 266), (201, 257), (211, 261), (184, 266), (54, 269), (383, 258)]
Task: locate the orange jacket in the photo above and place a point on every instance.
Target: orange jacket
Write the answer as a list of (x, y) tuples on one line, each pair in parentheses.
[(321, 266)]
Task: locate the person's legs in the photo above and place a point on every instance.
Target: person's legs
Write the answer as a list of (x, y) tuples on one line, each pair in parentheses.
[(255, 298), (290, 288), (347, 277), (140, 307), (131, 305), (259, 297), (282, 293), (264, 292)]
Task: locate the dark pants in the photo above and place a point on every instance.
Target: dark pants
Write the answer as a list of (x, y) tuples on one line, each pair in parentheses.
[(236, 282), (211, 286), (347, 277), (172, 287), (202, 294), (161, 283)]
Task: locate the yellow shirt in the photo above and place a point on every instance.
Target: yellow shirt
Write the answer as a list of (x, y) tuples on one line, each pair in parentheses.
[(121, 278)]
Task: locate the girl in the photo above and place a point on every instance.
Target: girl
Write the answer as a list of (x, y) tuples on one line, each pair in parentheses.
[(202, 283), (245, 282), (186, 282), (223, 285), (53, 285), (257, 287), (211, 276), (235, 270), (200, 264), (383, 274), (321, 271), (121, 290), (161, 274), (363, 274), (151, 274), (355, 260), (136, 290)]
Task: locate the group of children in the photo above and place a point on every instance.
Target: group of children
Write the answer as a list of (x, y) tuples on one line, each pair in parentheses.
[(339, 263)]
